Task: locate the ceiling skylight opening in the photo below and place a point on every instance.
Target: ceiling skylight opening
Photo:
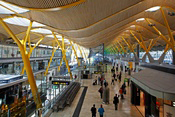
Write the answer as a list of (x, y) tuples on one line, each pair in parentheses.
[(153, 9), (132, 26), (51, 36), (22, 22), (42, 31), (49, 46), (140, 20), (41, 45), (126, 30), (14, 8), (65, 41)]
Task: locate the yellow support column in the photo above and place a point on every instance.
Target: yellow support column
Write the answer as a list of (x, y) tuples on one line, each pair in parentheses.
[(128, 44), (122, 47), (80, 51), (30, 52), (53, 52), (84, 54), (75, 53), (167, 25), (26, 62), (63, 53), (151, 46), (119, 51), (64, 57), (139, 41), (161, 35), (60, 64)]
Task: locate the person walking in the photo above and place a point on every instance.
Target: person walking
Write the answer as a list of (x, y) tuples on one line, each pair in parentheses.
[(101, 111), (101, 92), (120, 76), (93, 111), (121, 93), (114, 75), (116, 101), (112, 82)]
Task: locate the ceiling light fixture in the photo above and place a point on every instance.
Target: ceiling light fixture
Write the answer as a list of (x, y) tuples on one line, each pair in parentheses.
[(153, 9), (132, 26), (141, 19)]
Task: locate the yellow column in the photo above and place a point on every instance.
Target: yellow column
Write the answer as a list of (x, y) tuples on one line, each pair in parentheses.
[(80, 51), (122, 47), (167, 25), (128, 44), (139, 41), (63, 52), (84, 54), (118, 49), (64, 57), (60, 64), (30, 52), (161, 35), (26, 61), (53, 51), (75, 53)]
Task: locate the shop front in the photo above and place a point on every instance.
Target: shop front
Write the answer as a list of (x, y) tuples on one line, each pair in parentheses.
[(153, 94)]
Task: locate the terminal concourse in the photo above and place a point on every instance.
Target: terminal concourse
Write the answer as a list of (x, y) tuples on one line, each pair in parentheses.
[(82, 58)]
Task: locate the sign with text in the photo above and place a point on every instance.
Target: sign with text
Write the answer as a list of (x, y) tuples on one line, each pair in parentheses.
[(60, 82)]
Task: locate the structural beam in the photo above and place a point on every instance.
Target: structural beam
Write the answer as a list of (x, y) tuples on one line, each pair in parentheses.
[(53, 52), (139, 42), (167, 26), (128, 44), (161, 35), (63, 52), (64, 57), (121, 46), (30, 52), (75, 53), (26, 62), (80, 51)]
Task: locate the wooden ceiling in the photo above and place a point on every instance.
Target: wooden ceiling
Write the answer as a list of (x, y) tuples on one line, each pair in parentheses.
[(90, 23)]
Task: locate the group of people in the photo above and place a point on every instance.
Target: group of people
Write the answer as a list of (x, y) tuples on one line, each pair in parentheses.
[(100, 110), (104, 91), (115, 77)]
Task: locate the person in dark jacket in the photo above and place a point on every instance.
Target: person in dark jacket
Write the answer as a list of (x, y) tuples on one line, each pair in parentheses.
[(116, 101), (101, 92), (114, 75), (93, 111)]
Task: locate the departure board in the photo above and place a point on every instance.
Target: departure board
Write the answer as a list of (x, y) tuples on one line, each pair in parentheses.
[(59, 82)]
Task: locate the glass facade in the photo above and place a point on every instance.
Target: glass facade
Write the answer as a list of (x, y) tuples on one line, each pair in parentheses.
[(13, 51)]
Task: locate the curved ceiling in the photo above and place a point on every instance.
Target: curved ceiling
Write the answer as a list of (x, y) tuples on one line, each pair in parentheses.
[(93, 22)]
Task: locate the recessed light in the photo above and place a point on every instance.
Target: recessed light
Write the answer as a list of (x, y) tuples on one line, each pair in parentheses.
[(153, 9)]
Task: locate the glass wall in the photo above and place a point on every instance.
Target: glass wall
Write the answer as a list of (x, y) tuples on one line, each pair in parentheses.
[(7, 51)]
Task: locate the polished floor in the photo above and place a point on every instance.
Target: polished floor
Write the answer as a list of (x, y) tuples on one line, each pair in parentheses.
[(93, 97)]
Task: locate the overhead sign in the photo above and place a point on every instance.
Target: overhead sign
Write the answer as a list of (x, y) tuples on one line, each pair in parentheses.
[(59, 82)]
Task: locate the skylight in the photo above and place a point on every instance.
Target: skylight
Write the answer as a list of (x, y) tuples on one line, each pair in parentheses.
[(22, 22), (126, 30), (42, 30), (132, 26), (65, 40), (17, 9), (141, 19), (51, 36), (49, 46), (41, 45), (153, 9)]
